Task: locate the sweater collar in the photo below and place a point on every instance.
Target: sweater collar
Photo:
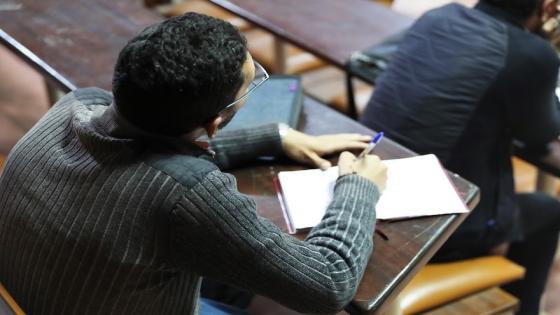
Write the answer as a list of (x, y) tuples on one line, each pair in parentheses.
[(499, 14), (112, 124)]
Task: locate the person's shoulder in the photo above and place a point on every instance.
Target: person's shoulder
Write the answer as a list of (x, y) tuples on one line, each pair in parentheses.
[(437, 14), (187, 170), (453, 6), (86, 96), (532, 52), (91, 92), (446, 11), (456, 22)]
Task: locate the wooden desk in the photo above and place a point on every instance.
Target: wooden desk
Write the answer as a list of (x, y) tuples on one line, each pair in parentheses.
[(75, 43), (411, 242), (330, 29), (72, 42)]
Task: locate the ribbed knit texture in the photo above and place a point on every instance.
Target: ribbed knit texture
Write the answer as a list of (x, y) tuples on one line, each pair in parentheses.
[(98, 218)]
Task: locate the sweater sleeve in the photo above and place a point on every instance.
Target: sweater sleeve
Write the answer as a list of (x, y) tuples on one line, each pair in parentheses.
[(217, 233), (237, 147)]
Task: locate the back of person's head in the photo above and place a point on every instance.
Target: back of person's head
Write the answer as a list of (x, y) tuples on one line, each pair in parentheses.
[(521, 9), (177, 75)]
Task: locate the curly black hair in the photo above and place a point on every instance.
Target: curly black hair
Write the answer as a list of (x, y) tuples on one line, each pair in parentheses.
[(521, 9), (178, 74)]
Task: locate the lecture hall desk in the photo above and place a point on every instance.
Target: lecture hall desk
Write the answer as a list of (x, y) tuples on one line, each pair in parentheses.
[(329, 29), (74, 43)]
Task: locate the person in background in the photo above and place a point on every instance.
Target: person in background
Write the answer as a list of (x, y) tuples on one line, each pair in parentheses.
[(112, 205), (464, 84)]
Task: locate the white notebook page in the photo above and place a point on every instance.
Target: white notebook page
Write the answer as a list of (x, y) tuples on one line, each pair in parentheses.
[(416, 186)]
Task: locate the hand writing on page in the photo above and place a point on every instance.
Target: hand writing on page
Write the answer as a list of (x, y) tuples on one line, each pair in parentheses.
[(310, 149), (370, 167)]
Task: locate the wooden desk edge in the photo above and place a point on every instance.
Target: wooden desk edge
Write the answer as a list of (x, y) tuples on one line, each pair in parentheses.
[(224, 4), (390, 293), (36, 62)]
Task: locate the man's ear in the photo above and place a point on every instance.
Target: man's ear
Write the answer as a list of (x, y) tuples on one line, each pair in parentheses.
[(212, 126)]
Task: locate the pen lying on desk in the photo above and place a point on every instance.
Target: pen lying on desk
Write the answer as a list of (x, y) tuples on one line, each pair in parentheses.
[(371, 145)]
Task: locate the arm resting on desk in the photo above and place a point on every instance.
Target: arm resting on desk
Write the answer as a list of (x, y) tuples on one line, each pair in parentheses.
[(216, 233), (241, 146), (237, 147)]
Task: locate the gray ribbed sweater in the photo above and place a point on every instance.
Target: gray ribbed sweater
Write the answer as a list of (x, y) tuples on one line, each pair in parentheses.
[(97, 217)]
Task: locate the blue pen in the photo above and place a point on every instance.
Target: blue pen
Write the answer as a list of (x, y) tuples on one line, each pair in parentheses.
[(371, 145)]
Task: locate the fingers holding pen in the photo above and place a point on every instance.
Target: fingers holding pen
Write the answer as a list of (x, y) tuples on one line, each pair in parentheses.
[(370, 167)]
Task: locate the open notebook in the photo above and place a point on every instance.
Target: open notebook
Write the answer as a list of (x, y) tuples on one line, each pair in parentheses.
[(416, 186)]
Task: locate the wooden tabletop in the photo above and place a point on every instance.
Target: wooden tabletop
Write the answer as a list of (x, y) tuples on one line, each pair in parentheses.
[(330, 29), (411, 243), (75, 44)]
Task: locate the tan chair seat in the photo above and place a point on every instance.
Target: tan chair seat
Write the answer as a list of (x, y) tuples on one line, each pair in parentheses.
[(437, 284), (204, 7), (261, 46)]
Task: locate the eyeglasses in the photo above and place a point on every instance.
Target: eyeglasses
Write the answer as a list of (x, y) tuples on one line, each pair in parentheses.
[(260, 77)]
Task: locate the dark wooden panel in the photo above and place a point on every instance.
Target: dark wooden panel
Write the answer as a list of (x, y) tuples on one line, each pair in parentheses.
[(73, 43), (330, 29)]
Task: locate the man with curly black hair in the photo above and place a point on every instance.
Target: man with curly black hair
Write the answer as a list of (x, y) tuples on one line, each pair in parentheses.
[(112, 205), (188, 71), (463, 84)]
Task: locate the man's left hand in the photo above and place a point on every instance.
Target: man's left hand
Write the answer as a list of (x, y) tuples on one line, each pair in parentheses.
[(310, 149)]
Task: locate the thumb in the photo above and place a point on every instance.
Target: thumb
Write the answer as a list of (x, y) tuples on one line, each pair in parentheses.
[(317, 161)]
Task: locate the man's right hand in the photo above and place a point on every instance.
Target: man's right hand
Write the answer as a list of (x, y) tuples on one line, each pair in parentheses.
[(370, 167)]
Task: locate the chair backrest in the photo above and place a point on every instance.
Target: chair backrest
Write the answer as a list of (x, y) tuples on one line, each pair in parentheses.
[(8, 305)]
